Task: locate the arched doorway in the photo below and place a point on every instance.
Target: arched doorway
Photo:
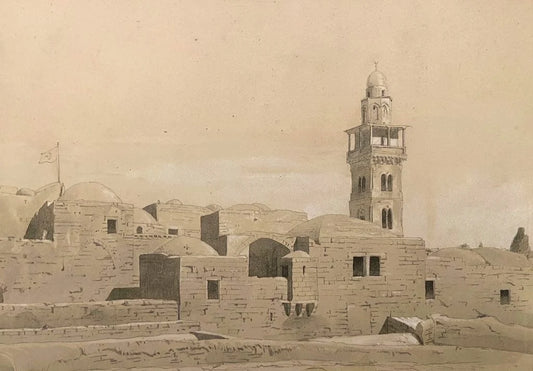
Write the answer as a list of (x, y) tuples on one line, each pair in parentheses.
[(264, 258)]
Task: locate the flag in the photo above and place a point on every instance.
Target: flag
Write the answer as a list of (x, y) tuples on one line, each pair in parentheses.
[(49, 156)]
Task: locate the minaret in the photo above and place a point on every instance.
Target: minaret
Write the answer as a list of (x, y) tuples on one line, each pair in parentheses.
[(376, 151)]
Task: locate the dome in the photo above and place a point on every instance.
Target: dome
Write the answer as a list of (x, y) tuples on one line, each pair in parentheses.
[(90, 191), (25, 192), (174, 201), (376, 78), (214, 207), (185, 246), (140, 216), (335, 225), (484, 256)]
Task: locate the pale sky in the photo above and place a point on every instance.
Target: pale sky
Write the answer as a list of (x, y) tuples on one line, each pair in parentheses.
[(239, 101)]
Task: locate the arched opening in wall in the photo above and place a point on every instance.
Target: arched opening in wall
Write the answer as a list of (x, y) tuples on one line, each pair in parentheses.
[(359, 185), (139, 230), (389, 183), (264, 258), (375, 111), (389, 219), (383, 182), (383, 93), (363, 114), (384, 218), (363, 184)]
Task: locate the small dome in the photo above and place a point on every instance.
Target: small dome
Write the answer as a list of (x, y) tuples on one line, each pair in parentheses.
[(90, 191), (140, 216), (185, 246), (25, 192), (214, 207), (376, 78), (334, 225), (174, 201)]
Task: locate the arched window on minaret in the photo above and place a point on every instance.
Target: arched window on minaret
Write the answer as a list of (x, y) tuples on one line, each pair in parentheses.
[(384, 218), (375, 113), (363, 114), (359, 185), (389, 218), (385, 113), (383, 182), (389, 183), (363, 184)]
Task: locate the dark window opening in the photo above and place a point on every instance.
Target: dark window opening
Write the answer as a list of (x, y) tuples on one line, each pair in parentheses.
[(359, 185), (139, 230), (383, 93), (363, 184), (374, 266), (303, 270), (358, 266), (389, 218), (212, 290), (368, 94), (430, 290), (389, 183), (173, 231), (111, 226), (285, 271), (383, 182), (505, 297), (384, 218)]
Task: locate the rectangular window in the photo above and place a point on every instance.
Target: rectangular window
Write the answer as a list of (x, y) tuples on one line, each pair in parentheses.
[(374, 266), (212, 290), (285, 271), (430, 290), (505, 297), (173, 231), (359, 266), (111, 226)]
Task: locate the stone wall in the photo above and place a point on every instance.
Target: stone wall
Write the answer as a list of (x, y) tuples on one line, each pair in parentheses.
[(360, 305), (99, 332), (84, 314), (465, 290), (245, 306), (174, 215), (249, 222)]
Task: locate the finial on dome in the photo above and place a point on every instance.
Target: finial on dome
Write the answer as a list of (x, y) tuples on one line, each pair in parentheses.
[(376, 65)]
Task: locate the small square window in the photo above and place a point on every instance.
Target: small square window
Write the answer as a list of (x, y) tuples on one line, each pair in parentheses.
[(173, 231), (212, 290), (111, 226), (505, 297), (374, 266), (359, 266), (430, 290)]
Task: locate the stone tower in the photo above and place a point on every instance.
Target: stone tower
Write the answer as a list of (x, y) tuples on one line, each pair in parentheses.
[(376, 151)]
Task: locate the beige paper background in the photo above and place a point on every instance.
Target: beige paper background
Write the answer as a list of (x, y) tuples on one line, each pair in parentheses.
[(238, 101)]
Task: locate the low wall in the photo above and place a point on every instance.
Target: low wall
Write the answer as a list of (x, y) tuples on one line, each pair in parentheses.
[(484, 332), (86, 333), (14, 316), (180, 351)]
